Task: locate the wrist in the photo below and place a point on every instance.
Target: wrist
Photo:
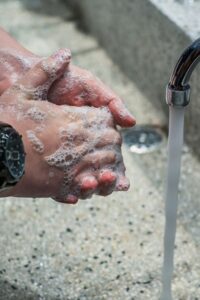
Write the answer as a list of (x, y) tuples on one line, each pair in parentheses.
[(12, 158)]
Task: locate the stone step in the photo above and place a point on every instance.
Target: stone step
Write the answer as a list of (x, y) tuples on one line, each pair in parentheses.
[(145, 38)]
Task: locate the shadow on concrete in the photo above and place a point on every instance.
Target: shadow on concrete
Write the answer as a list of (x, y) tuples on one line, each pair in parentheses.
[(10, 291), (61, 8), (58, 8)]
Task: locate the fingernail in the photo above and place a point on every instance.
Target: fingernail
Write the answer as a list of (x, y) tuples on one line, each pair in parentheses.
[(127, 115), (107, 177), (89, 183)]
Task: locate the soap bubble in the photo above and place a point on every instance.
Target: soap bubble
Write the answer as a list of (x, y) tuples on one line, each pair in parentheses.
[(37, 144)]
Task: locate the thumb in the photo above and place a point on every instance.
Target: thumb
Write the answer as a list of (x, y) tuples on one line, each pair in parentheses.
[(37, 81)]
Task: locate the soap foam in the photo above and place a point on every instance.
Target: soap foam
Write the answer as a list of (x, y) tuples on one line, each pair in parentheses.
[(74, 146), (37, 144), (36, 114)]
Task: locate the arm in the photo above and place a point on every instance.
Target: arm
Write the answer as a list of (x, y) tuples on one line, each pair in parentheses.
[(6, 41)]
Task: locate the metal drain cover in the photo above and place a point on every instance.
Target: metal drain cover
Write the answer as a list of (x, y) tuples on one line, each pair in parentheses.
[(142, 139)]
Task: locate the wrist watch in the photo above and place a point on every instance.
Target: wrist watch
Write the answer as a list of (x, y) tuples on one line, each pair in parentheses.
[(12, 157)]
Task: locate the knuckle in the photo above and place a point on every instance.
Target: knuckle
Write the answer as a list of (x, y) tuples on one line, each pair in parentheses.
[(111, 157), (117, 138)]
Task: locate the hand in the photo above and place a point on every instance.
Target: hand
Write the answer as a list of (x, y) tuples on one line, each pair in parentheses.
[(77, 87), (72, 152)]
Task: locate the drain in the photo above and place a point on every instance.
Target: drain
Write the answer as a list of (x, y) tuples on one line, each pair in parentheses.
[(142, 139)]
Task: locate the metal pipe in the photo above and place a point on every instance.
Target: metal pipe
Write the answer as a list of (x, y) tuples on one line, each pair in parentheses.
[(178, 89)]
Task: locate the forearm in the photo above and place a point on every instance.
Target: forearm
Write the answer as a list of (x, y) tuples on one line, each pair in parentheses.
[(8, 42), (11, 60)]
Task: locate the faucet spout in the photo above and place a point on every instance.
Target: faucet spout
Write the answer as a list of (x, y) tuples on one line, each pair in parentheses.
[(178, 88)]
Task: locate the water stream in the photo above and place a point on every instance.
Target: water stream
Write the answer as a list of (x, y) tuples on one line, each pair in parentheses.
[(175, 142)]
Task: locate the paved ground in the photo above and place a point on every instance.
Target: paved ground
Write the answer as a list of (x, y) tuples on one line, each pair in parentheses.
[(104, 248)]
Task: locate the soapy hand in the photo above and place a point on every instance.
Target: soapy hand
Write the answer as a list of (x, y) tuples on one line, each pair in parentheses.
[(76, 87), (79, 87), (72, 152)]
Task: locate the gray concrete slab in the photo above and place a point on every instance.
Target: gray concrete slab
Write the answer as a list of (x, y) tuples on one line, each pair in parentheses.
[(184, 13), (103, 248)]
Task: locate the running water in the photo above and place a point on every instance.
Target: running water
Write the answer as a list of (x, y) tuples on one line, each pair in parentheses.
[(175, 142)]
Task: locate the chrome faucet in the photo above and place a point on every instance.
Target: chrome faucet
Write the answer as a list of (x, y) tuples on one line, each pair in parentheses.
[(178, 89)]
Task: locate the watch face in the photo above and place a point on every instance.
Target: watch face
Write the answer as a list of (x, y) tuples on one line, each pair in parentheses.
[(15, 155)]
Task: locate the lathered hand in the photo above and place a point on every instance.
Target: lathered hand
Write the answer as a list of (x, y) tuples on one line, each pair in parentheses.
[(72, 152), (79, 87), (76, 87)]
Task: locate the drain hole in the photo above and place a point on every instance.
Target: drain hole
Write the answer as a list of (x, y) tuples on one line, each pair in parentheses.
[(142, 139)]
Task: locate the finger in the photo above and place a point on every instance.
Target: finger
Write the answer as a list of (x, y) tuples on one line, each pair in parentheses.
[(121, 114), (95, 161), (122, 184), (87, 185), (69, 199), (107, 180), (45, 72), (110, 137)]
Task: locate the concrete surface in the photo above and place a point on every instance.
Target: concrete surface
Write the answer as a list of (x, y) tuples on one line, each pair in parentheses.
[(103, 248), (145, 38)]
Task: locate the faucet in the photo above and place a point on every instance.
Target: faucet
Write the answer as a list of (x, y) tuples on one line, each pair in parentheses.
[(178, 88), (177, 96)]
